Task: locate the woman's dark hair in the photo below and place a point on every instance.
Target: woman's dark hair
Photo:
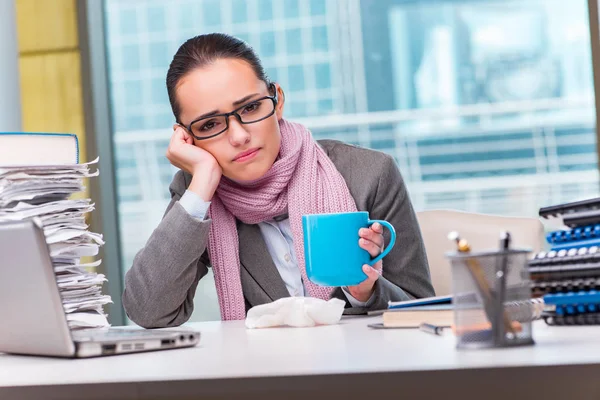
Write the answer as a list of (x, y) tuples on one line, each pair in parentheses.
[(202, 50)]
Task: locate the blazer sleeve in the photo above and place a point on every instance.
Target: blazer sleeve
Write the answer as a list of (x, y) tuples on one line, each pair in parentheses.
[(161, 284), (405, 272)]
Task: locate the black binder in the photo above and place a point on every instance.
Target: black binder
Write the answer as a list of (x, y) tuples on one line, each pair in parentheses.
[(569, 208)]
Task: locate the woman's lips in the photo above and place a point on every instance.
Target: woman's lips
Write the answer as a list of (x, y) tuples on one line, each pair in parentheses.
[(246, 155)]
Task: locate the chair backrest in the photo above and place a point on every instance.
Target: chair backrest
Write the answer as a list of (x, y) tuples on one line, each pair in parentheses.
[(482, 231)]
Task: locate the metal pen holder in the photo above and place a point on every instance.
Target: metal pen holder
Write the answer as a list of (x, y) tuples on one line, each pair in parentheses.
[(491, 299)]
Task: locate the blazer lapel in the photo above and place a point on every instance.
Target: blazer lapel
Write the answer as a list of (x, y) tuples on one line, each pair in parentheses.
[(255, 258)]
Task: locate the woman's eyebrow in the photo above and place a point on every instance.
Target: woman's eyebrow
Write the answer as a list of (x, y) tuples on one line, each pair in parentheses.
[(235, 103), (244, 99), (206, 115)]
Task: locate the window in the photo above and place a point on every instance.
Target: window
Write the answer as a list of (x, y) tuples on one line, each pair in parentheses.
[(319, 38), (131, 58), (293, 41), (323, 76), (265, 10), (156, 19), (211, 13), (487, 105), (159, 55), (296, 76), (240, 15), (267, 44), (291, 8), (133, 92)]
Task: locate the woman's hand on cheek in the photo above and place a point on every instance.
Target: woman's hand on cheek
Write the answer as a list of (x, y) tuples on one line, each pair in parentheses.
[(371, 240), (183, 154), (205, 169)]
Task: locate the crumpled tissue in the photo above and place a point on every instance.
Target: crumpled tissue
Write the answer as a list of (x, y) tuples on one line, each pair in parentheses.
[(296, 312)]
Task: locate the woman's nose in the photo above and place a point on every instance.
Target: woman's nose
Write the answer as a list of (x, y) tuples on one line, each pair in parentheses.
[(237, 134)]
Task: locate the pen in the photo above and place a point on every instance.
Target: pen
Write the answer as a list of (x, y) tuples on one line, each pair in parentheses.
[(430, 328), (499, 329)]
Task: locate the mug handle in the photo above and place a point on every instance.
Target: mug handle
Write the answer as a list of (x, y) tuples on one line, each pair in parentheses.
[(390, 244)]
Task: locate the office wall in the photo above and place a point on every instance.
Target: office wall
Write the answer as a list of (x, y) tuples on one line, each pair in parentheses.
[(49, 64)]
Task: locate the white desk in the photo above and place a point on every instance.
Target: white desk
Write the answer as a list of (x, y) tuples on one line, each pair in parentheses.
[(348, 360)]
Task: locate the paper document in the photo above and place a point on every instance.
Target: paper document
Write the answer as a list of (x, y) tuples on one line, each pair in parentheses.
[(44, 192), (87, 319)]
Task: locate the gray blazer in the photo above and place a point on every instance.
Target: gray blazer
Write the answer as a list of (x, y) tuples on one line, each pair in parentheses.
[(160, 286)]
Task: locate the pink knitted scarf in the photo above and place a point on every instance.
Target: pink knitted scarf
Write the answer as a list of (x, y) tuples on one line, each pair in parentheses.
[(303, 180)]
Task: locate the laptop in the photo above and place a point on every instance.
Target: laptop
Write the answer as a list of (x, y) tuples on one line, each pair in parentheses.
[(32, 315)]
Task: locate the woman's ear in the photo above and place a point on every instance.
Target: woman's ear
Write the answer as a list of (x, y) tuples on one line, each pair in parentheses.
[(280, 101)]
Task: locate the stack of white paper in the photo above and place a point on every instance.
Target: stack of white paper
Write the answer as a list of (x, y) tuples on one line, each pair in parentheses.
[(44, 192)]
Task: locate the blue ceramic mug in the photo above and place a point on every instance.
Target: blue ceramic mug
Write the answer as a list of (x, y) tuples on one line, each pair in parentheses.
[(331, 251)]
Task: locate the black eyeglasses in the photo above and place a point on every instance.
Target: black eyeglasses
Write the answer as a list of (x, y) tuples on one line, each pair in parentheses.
[(254, 111)]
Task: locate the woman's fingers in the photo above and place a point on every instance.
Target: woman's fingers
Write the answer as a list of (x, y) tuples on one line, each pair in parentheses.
[(181, 135), (373, 249), (372, 273), (377, 228), (371, 234), (188, 138), (371, 239)]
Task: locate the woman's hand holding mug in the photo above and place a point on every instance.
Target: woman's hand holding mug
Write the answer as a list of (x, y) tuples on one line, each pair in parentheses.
[(371, 240)]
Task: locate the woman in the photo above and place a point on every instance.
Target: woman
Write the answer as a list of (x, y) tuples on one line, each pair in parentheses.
[(247, 176)]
